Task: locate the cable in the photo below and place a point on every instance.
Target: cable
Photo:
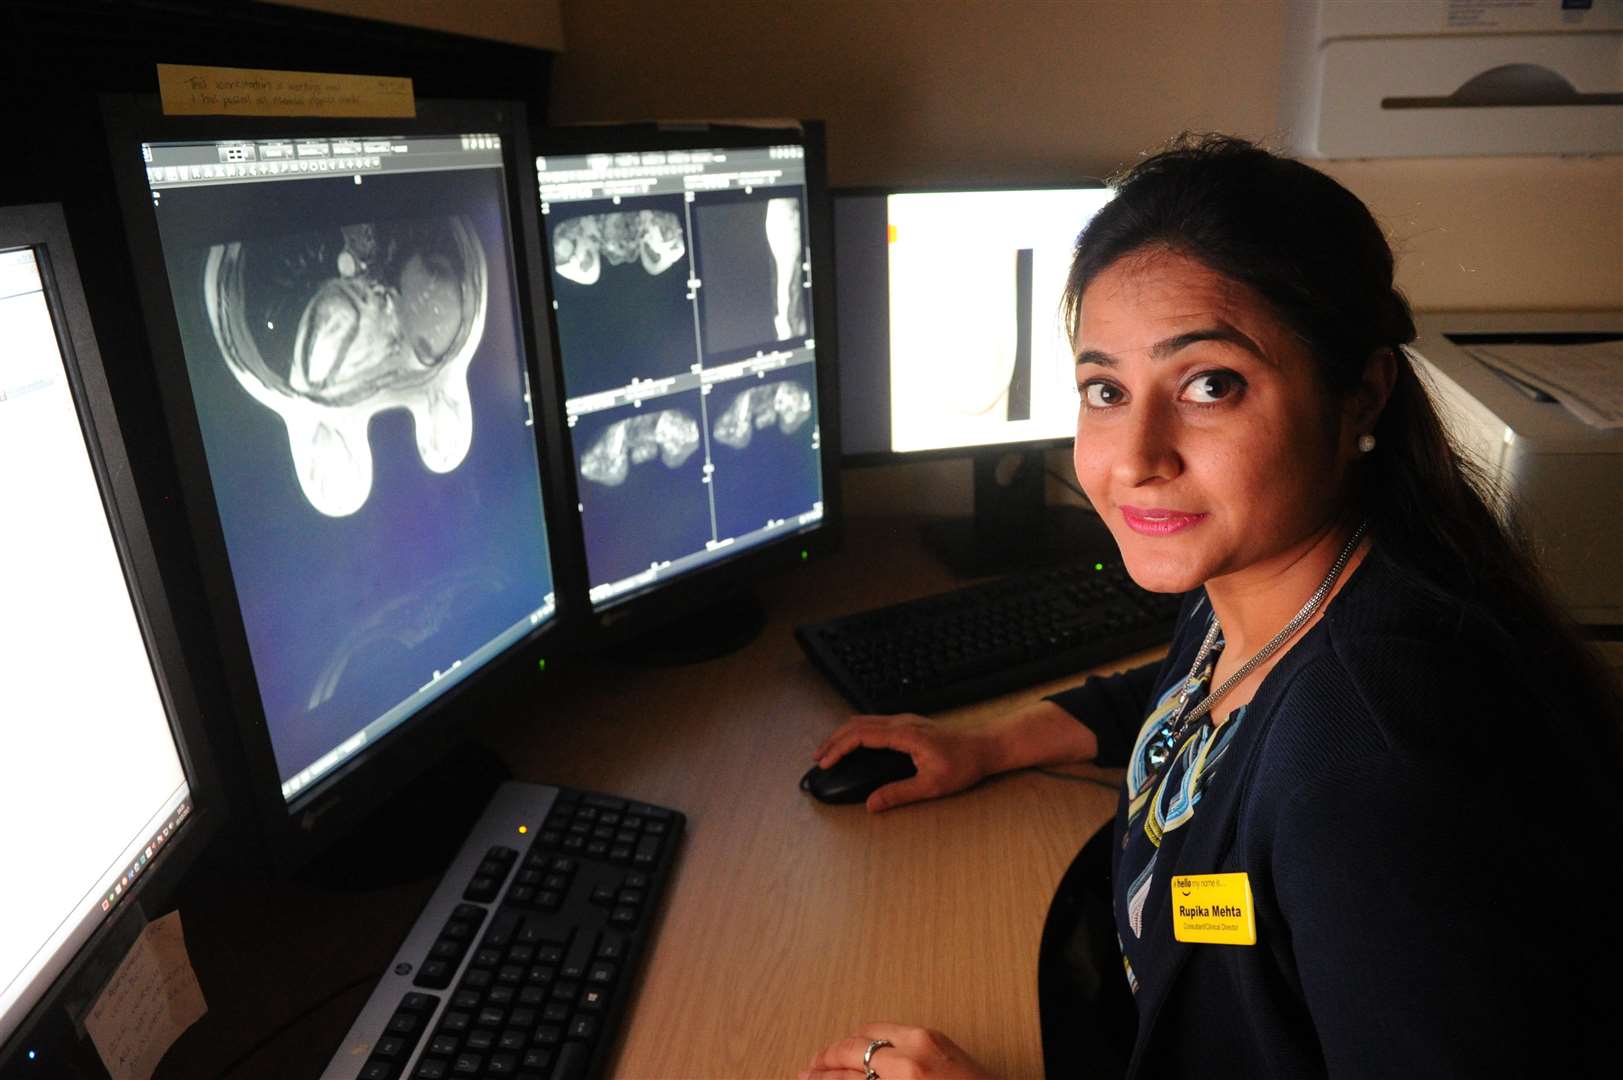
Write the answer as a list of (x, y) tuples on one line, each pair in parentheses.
[(277, 1032)]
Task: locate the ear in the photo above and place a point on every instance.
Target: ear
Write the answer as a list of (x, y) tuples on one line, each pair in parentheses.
[(1364, 405)]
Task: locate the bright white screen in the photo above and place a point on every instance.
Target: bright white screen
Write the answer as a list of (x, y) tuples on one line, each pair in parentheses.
[(954, 318), (88, 767)]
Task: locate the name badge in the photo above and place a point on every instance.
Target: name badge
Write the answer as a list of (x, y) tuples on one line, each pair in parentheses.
[(1213, 909)]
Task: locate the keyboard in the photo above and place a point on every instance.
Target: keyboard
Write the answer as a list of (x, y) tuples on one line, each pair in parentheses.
[(986, 639), (521, 964)]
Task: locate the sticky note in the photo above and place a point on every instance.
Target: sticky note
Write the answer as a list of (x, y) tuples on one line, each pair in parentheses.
[(189, 90), (149, 1002)]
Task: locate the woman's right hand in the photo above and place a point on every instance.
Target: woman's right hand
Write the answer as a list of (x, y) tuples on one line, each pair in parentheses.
[(947, 758)]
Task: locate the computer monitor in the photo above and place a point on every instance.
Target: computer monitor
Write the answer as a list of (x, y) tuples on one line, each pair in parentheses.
[(105, 787), (343, 346), (951, 345), (688, 282)]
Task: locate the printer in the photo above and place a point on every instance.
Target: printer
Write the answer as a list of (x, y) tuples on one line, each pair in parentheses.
[(1558, 477)]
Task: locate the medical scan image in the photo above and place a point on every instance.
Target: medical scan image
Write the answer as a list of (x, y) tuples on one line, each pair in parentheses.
[(328, 328), (754, 290), (652, 237), (670, 435), (786, 404)]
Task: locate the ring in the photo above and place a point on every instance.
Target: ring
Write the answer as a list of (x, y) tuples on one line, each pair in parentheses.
[(867, 1057)]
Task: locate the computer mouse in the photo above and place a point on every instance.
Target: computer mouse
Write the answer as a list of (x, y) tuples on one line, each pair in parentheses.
[(857, 775)]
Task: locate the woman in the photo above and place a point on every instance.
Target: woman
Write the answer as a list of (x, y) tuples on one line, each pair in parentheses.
[(1371, 719)]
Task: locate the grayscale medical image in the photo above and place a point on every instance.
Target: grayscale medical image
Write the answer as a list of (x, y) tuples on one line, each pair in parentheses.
[(621, 292), (580, 244), (328, 328), (754, 289), (786, 404), (670, 435)]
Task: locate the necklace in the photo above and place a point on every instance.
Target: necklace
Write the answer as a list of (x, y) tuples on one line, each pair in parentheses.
[(1174, 726)]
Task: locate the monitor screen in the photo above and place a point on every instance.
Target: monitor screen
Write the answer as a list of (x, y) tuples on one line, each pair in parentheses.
[(354, 355), (92, 782), (682, 300), (949, 322)]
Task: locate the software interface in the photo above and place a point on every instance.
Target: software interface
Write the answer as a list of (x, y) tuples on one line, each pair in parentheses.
[(91, 783), (348, 312), (682, 293), (950, 329)]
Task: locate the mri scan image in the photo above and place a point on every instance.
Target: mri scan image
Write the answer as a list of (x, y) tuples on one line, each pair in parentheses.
[(580, 244), (783, 238), (671, 435), (327, 329), (786, 404)]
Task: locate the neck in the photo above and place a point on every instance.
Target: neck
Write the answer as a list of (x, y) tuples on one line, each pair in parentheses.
[(1255, 603)]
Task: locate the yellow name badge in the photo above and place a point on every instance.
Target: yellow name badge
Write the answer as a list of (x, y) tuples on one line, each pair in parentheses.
[(1213, 909)]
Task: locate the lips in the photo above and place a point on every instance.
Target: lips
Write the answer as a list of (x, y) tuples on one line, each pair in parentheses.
[(1158, 521)]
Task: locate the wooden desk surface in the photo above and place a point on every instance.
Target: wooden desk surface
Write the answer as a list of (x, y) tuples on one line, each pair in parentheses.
[(788, 923)]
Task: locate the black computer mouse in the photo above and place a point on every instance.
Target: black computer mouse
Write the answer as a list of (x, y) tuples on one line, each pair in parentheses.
[(857, 775)]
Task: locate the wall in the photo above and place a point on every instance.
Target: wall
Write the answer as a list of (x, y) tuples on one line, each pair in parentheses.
[(920, 91)]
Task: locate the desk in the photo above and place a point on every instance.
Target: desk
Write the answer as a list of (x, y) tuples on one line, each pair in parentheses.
[(787, 924)]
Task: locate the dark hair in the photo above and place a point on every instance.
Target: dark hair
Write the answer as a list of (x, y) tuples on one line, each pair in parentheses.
[(1312, 250)]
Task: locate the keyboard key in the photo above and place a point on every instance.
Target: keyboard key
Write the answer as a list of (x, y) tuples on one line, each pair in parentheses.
[(502, 1065), (512, 1039), (592, 999), (481, 1039), (603, 802), (455, 1022), (467, 1065), (431, 1069), (445, 1045), (583, 1028), (572, 1061), (378, 1070), (390, 1046)]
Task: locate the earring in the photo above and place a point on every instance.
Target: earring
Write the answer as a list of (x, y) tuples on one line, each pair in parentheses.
[(1366, 443)]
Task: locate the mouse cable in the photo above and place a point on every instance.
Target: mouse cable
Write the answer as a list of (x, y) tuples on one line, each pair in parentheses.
[(281, 1029)]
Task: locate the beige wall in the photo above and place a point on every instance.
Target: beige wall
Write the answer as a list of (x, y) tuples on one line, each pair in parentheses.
[(921, 91)]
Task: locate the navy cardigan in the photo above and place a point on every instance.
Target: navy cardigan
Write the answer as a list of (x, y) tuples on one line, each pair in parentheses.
[(1426, 850)]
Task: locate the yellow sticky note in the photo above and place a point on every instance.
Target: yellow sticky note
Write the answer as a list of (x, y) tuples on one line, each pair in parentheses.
[(1213, 909), (189, 90), (150, 1000)]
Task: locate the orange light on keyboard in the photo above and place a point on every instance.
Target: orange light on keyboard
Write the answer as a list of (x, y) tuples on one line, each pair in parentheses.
[(522, 829)]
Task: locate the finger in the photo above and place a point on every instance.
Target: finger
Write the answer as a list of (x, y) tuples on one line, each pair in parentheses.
[(880, 735), (843, 1055), (900, 793)]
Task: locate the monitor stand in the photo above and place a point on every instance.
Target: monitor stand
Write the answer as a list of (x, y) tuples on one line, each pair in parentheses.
[(723, 626), (1014, 528)]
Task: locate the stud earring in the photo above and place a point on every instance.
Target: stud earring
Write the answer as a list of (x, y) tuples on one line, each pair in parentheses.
[(1366, 443)]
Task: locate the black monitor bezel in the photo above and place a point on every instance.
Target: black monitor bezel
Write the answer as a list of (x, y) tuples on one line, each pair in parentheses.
[(288, 834), (636, 612), (955, 453), (43, 228)]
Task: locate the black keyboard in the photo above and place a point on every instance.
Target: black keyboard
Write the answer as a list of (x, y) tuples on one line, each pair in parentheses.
[(522, 962), (987, 639)]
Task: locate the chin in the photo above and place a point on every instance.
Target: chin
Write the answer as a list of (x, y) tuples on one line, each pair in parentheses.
[(1160, 571)]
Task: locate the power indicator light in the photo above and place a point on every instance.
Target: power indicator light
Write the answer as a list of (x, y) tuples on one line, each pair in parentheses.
[(804, 554), (541, 665), (1098, 566), (523, 830)]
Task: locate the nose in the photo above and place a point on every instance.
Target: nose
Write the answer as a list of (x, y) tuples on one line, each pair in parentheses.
[(1145, 450)]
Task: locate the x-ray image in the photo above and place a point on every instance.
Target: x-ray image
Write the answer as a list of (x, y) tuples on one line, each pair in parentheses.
[(327, 329), (670, 435), (786, 404), (650, 237), (750, 254), (766, 468), (648, 501), (620, 282)]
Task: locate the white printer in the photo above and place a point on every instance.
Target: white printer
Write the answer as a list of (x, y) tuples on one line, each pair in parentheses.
[(1562, 478)]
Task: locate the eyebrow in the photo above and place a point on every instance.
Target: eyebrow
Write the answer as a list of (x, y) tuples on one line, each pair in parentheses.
[(1168, 346)]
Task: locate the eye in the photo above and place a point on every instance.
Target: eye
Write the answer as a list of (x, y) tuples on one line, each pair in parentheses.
[(1211, 387), (1097, 394)]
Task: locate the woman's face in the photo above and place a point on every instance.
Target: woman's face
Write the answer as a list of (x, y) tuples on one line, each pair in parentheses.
[(1203, 437)]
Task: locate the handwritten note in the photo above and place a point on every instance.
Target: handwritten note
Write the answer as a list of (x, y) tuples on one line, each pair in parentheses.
[(151, 999), (187, 90)]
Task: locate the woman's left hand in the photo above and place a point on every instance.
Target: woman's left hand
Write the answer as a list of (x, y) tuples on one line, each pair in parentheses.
[(913, 1054)]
